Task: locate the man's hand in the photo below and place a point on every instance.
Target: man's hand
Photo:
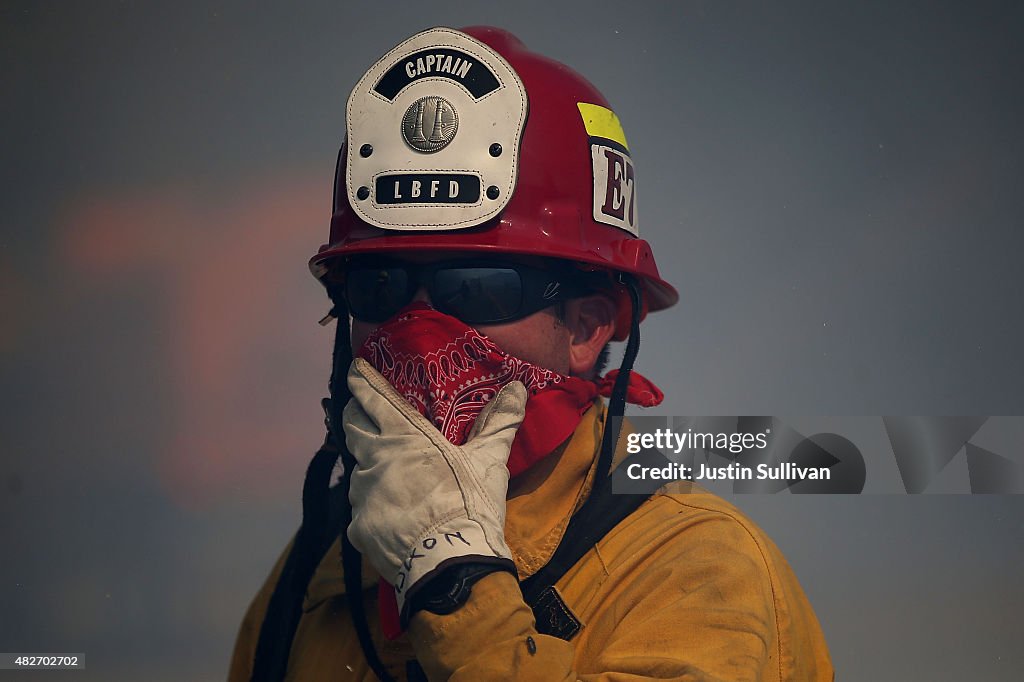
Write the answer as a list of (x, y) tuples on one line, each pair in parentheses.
[(420, 503)]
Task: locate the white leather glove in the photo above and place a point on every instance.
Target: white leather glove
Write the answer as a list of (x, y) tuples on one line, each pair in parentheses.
[(420, 503)]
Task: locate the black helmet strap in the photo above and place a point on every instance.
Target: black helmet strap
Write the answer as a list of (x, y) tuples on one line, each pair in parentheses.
[(316, 533)]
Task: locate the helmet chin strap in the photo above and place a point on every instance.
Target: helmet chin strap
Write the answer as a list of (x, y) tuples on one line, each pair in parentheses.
[(317, 533), (351, 559), (617, 401)]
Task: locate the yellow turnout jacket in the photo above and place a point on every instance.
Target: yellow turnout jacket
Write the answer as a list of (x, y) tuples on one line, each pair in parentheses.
[(685, 588)]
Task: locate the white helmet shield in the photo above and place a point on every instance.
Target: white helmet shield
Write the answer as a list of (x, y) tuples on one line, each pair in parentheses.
[(433, 131)]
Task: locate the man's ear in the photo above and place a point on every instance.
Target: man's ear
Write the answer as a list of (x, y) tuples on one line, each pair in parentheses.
[(591, 324)]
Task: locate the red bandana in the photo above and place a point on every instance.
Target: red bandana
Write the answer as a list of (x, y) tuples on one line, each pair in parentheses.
[(449, 371)]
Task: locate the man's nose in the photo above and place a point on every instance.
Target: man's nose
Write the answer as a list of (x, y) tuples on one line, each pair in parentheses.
[(422, 295)]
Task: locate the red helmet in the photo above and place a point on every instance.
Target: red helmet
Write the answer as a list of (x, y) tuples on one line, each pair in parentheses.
[(467, 141)]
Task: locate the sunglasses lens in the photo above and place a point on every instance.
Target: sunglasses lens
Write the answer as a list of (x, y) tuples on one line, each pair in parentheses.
[(375, 294), (478, 295)]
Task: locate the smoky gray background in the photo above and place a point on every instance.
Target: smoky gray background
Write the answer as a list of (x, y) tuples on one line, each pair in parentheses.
[(835, 189)]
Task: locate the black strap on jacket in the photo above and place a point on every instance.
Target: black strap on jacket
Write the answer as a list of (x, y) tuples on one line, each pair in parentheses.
[(603, 511)]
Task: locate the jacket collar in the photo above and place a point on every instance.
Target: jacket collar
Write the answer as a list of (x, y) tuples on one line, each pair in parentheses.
[(542, 499)]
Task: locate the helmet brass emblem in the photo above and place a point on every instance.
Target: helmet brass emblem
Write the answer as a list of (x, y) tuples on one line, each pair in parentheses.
[(430, 124)]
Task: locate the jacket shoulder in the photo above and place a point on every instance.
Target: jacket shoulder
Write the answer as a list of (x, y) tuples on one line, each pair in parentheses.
[(711, 574)]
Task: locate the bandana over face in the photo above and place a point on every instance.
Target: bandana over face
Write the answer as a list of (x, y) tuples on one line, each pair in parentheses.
[(449, 372)]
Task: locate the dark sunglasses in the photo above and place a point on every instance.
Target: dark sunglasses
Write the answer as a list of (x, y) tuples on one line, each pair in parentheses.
[(475, 291)]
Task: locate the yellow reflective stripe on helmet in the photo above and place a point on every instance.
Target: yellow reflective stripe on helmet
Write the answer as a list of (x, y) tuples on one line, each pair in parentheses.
[(602, 122)]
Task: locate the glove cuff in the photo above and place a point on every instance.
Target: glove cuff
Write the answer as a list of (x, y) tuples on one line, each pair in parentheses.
[(450, 586), (457, 540)]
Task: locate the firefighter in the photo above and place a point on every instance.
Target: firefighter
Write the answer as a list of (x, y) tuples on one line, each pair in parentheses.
[(483, 252)]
